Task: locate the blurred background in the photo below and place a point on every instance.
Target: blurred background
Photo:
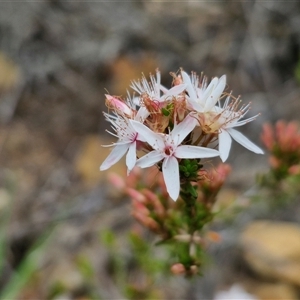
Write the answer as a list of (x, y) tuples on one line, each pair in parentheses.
[(57, 60)]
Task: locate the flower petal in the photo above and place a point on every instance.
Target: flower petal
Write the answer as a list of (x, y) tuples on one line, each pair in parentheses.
[(131, 156), (175, 90), (212, 85), (170, 171), (216, 93), (149, 159), (118, 104), (156, 140), (189, 87), (242, 122), (142, 114), (197, 106), (186, 151), (240, 138), (163, 89), (224, 144), (114, 156), (181, 130)]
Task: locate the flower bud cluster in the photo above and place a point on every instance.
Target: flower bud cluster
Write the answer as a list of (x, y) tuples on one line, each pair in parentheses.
[(176, 223), (174, 128), (283, 143), (211, 184), (151, 204)]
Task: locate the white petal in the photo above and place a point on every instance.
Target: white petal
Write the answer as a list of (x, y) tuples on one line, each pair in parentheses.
[(224, 144), (187, 151), (190, 89), (175, 90), (170, 170), (197, 106), (216, 93), (136, 100), (131, 156), (243, 122), (181, 130), (149, 159), (142, 114), (114, 156), (158, 77), (156, 140), (212, 85), (240, 138), (163, 89)]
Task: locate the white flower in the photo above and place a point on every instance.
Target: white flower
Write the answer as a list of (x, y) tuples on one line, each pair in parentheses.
[(230, 117), (128, 138), (167, 148), (154, 88), (201, 97), (214, 118)]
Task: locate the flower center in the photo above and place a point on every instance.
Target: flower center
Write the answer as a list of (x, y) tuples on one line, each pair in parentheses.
[(209, 122), (168, 150)]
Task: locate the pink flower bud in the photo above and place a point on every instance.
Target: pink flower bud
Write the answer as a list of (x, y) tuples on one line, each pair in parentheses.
[(268, 136), (146, 221), (118, 105), (154, 200), (139, 211), (133, 179), (214, 179), (163, 187), (136, 195), (294, 170), (274, 162), (178, 269)]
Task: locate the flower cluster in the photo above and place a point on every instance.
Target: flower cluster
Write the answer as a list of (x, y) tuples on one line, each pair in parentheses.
[(283, 143), (176, 127)]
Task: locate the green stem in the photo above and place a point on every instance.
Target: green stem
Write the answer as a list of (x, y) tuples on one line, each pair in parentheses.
[(189, 196)]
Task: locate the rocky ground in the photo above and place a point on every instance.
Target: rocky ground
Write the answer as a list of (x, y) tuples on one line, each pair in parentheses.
[(58, 58)]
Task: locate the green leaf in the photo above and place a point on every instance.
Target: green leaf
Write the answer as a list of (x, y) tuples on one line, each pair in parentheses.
[(26, 269), (192, 190), (183, 169), (165, 112)]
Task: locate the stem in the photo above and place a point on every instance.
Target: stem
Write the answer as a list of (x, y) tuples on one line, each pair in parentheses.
[(192, 212), (189, 199), (208, 140), (199, 138)]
